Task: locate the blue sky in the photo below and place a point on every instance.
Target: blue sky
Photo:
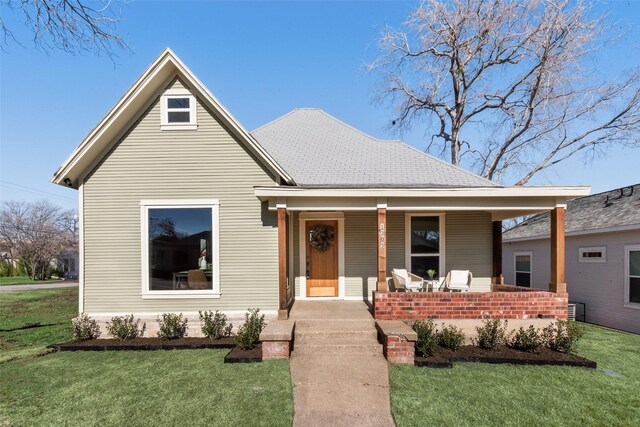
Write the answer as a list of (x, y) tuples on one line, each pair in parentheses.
[(260, 59)]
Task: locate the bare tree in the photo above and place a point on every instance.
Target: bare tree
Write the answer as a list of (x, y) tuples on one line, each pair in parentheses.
[(73, 26), (505, 83), (37, 233)]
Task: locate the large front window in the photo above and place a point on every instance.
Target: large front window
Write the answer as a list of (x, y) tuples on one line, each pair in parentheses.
[(632, 276), (181, 250), (424, 243)]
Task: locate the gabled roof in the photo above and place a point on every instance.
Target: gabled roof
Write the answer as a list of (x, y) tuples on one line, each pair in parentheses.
[(144, 91), (617, 209), (319, 150)]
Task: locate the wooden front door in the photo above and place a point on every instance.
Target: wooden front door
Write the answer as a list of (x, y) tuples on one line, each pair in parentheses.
[(322, 258)]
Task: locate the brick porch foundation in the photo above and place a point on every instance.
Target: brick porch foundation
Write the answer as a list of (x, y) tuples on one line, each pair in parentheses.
[(507, 303)]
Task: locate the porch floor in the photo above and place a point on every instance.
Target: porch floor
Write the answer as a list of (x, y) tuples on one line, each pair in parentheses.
[(330, 310)]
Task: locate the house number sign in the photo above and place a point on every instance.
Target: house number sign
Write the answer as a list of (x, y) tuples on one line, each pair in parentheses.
[(382, 235)]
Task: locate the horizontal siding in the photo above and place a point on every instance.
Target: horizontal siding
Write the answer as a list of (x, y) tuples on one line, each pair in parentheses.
[(150, 164), (599, 285), (360, 247), (469, 243)]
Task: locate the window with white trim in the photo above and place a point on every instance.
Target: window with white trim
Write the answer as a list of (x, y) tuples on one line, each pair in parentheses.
[(592, 254), (523, 267), (632, 276), (180, 246), (424, 244), (178, 110)]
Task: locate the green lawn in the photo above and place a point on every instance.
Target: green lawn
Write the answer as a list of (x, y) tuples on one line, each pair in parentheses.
[(144, 388), (476, 394), (31, 320), (23, 280)]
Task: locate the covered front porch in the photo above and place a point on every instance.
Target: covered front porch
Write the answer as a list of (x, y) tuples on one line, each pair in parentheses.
[(363, 236)]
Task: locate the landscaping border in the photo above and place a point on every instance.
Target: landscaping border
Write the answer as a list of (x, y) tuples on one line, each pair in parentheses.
[(144, 344), (238, 355)]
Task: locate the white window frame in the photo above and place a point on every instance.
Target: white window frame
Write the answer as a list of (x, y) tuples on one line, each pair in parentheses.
[(407, 241), (602, 249), (192, 124), (515, 270), (627, 275), (214, 204)]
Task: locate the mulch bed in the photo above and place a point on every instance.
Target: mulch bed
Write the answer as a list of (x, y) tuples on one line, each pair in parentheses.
[(144, 344), (444, 358), (238, 355)]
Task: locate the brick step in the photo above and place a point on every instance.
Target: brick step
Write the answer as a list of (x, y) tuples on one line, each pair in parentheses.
[(335, 325), (306, 335), (361, 349)]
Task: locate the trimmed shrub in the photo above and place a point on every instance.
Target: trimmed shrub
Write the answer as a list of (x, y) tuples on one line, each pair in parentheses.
[(172, 326), (562, 336), (125, 327), (248, 334), (528, 339), (492, 334), (451, 337), (427, 342), (84, 328), (214, 325)]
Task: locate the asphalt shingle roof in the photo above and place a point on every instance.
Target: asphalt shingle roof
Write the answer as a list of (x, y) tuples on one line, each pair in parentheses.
[(613, 208), (318, 150)]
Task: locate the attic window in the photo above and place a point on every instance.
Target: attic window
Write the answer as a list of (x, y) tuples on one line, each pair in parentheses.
[(178, 109)]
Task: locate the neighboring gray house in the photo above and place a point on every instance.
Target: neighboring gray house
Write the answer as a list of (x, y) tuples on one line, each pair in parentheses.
[(182, 209), (602, 255)]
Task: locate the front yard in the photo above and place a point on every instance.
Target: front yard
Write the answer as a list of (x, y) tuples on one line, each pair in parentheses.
[(23, 280), (476, 394)]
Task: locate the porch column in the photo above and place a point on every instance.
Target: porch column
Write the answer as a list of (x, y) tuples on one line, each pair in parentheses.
[(283, 313), (557, 283), (382, 249), (497, 277)]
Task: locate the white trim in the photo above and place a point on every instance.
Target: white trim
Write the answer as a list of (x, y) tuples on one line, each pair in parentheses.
[(578, 233), (601, 249), (291, 276), (407, 241), (165, 66), (81, 247), (229, 313), (302, 247), (165, 124), (214, 204), (515, 270), (542, 191), (627, 276)]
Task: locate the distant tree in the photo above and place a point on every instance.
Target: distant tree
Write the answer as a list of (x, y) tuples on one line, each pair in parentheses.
[(73, 26), (37, 233), (516, 71)]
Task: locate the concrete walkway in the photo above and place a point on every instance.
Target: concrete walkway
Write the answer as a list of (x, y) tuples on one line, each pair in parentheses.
[(42, 286), (340, 377)]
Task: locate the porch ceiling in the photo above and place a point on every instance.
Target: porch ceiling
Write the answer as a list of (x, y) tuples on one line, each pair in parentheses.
[(502, 202)]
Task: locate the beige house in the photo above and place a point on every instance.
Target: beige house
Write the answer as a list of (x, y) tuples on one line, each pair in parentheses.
[(602, 254), (182, 209)]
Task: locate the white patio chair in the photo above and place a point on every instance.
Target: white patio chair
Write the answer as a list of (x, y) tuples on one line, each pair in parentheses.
[(458, 280), (402, 279)]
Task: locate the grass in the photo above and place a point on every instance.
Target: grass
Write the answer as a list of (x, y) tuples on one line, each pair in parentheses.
[(144, 388), (476, 394), (31, 320), (24, 280)]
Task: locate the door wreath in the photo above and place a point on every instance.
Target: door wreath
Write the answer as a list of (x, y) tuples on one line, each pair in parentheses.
[(321, 237)]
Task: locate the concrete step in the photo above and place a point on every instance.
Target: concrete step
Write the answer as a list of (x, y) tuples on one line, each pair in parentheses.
[(343, 339), (351, 348), (335, 325), (306, 335)]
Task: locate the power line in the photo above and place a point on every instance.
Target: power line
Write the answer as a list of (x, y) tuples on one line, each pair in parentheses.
[(24, 187)]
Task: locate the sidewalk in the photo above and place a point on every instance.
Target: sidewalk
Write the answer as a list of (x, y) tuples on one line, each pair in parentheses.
[(66, 284)]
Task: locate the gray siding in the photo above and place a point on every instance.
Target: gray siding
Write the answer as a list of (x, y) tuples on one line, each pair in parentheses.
[(599, 285), (469, 243), (151, 164)]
